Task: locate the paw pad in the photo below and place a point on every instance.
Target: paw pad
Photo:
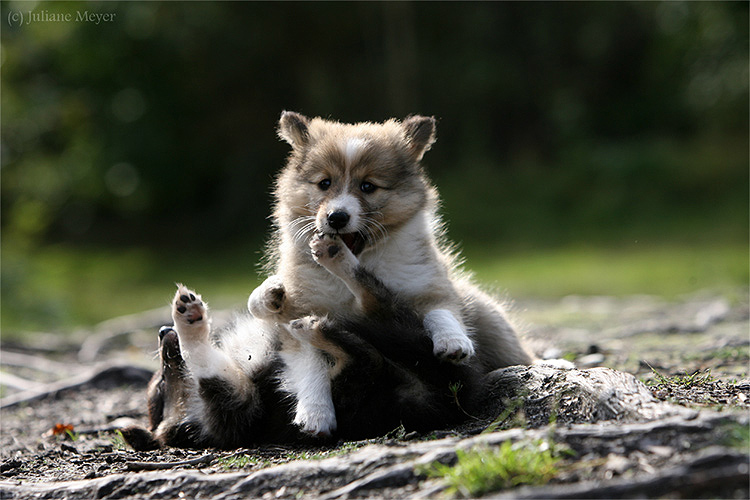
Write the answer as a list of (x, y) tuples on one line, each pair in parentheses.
[(268, 299), (308, 324), (188, 305)]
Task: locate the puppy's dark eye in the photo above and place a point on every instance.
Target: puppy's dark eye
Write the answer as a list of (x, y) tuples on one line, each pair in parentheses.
[(324, 184), (367, 187)]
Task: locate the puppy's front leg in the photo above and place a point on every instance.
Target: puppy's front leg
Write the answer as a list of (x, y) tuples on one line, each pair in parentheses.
[(306, 377), (331, 253), (449, 337), (268, 300)]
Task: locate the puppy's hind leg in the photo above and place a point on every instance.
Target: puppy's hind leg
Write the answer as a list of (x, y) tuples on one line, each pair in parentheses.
[(193, 326), (169, 395), (497, 341), (228, 396)]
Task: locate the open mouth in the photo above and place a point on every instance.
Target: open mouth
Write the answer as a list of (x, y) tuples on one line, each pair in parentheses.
[(354, 241), (170, 343)]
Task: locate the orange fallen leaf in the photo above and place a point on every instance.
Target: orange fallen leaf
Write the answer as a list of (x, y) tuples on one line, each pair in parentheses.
[(58, 429)]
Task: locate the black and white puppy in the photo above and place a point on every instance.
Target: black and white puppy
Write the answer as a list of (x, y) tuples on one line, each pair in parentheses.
[(230, 389)]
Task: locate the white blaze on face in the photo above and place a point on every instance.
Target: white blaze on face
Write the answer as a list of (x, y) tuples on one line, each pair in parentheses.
[(345, 201), (352, 149)]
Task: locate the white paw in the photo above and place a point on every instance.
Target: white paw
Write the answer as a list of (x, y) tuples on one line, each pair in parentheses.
[(268, 299), (455, 347), (190, 315), (316, 420), (303, 328), (449, 339)]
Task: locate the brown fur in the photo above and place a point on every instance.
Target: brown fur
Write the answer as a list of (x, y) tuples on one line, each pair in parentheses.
[(363, 183), (390, 160)]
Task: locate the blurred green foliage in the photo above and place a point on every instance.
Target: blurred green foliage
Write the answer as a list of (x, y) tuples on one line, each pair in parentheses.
[(559, 123), (161, 122)]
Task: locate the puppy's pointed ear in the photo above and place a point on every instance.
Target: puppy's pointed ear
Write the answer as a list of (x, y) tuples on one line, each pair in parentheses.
[(293, 128), (420, 134)]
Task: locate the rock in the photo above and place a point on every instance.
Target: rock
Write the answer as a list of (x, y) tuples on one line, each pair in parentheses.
[(590, 360), (574, 396)]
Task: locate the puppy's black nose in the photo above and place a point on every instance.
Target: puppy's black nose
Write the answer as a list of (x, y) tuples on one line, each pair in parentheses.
[(338, 220)]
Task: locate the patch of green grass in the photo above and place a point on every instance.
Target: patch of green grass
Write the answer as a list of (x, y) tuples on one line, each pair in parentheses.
[(59, 288), (240, 461), (511, 416), (731, 353), (482, 470), (737, 436), (682, 380), (667, 271), (347, 447), (727, 353), (117, 440), (320, 454), (570, 356)]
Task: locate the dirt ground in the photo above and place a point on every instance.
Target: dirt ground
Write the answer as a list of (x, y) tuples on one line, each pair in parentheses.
[(693, 352)]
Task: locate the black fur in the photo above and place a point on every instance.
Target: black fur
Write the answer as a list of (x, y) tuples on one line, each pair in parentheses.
[(377, 393), (394, 366), (167, 391), (233, 420), (391, 379), (261, 416)]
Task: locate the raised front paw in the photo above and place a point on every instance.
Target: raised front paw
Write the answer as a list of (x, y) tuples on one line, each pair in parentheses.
[(330, 252), (326, 247), (268, 299), (190, 314)]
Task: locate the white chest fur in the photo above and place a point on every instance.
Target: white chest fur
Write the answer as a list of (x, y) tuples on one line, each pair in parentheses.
[(408, 261)]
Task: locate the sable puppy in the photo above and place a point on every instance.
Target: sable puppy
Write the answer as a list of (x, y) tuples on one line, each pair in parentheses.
[(363, 183)]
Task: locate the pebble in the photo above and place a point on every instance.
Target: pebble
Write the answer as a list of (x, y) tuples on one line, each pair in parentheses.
[(661, 451), (617, 463), (590, 360)]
